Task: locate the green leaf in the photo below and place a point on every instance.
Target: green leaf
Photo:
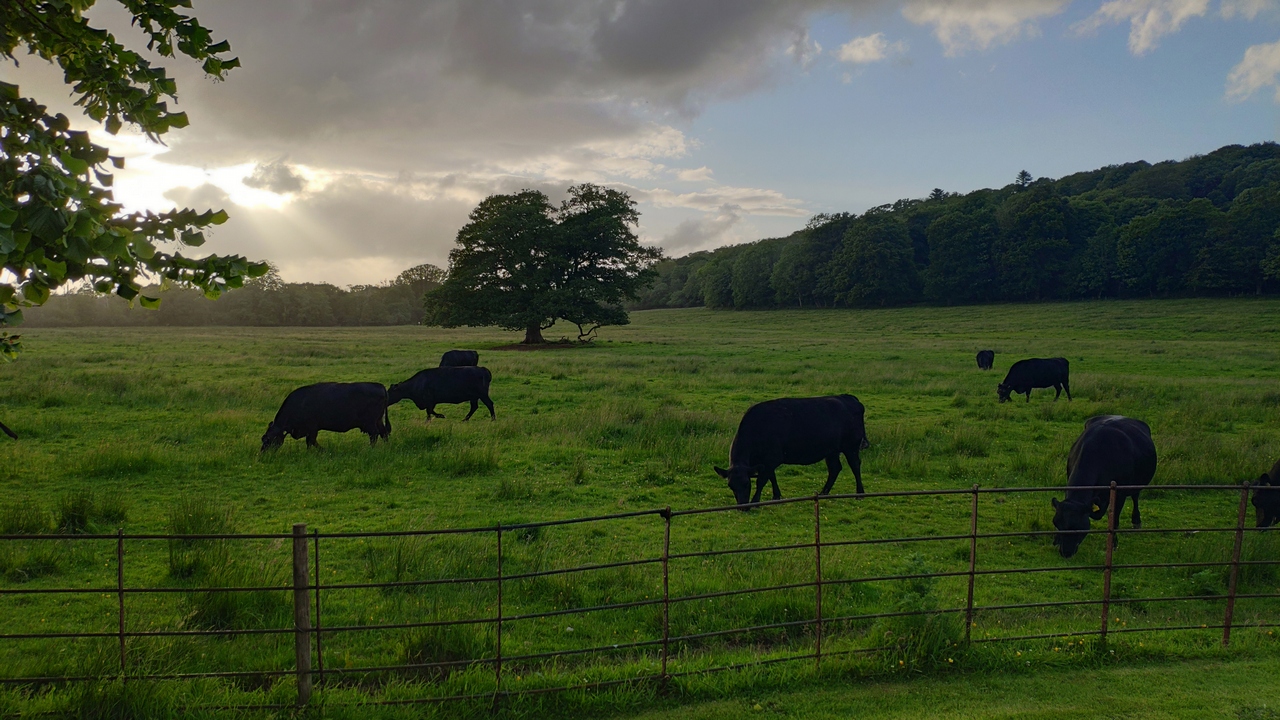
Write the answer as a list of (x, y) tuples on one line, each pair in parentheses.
[(117, 162), (56, 269), (74, 165), (35, 293), (177, 120), (258, 269), (149, 303), (194, 238), (9, 91), (113, 127), (127, 292), (219, 217), (7, 218), (142, 248)]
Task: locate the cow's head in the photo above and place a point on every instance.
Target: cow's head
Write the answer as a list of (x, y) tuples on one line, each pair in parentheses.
[(395, 394), (739, 477), (272, 438), (1266, 501), (1003, 391), (1072, 522)]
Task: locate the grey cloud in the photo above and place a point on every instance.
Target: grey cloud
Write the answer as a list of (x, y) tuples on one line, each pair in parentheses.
[(203, 196), (703, 232), (276, 177)]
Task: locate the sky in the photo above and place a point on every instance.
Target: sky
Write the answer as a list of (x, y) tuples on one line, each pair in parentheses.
[(358, 135)]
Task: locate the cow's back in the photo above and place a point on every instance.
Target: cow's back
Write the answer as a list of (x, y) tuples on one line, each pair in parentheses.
[(336, 407), (452, 384), (1037, 372), (460, 358), (797, 431), (1112, 448)]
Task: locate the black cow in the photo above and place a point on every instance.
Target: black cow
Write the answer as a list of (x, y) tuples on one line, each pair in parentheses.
[(1266, 498), (336, 407), (445, 385), (795, 431), (986, 358), (460, 358), (1111, 449), (1025, 375)]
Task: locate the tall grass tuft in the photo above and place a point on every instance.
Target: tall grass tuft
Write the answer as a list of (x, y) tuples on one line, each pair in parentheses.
[(81, 511), (920, 640), (24, 517), (190, 558), (455, 646), (212, 608)]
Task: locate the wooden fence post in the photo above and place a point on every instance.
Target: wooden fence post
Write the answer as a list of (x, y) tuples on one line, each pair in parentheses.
[(302, 613), (973, 562), (1106, 570), (1235, 566), (315, 537), (817, 584)]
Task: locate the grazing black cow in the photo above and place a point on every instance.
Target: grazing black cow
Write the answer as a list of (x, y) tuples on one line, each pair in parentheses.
[(460, 358), (445, 385), (336, 407), (1025, 375), (1266, 498), (795, 431), (986, 358), (1111, 449)]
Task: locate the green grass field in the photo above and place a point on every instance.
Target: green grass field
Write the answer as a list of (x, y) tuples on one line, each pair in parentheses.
[(156, 430)]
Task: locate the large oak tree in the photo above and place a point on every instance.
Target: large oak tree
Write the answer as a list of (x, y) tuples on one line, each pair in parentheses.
[(523, 263)]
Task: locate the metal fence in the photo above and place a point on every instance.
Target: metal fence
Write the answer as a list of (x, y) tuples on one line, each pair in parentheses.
[(311, 595)]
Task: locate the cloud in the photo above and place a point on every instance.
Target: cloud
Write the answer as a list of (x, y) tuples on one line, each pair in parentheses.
[(276, 177), (1149, 20), (701, 174), (962, 25), (702, 232), (869, 49), (1247, 9), (1258, 69), (754, 201), (804, 49)]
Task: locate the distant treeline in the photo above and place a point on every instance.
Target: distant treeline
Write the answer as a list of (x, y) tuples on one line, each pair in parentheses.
[(1203, 226), (264, 301)]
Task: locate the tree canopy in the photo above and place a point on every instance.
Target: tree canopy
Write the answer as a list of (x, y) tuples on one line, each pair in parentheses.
[(59, 222), (1207, 225), (523, 263)]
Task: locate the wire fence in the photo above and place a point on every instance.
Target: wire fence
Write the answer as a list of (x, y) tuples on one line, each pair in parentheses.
[(487, 617)]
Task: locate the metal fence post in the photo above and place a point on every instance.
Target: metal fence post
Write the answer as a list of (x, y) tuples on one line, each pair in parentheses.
[(120, 593), (1235, 566), (497, 668), (973, 563), (666, 595), (817, 584), (315, 539), (1106, 570), (302, 613)]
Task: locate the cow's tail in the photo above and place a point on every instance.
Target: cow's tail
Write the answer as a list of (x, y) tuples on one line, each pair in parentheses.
[(8, 432), (865, 443), (386, 414)]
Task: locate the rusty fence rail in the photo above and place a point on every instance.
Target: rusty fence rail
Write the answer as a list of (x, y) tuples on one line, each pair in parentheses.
[(309, 592)]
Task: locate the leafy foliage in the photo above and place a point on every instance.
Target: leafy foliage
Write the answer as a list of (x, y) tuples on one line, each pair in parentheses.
[(522, 263), (1205, 226), (59, 222)]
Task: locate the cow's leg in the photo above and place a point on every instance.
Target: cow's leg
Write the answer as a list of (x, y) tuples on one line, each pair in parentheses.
[(761, 479), (489, 404), (1028, 396), (474, 404), (1137, 516), (773, 480), (1115, 541), (311, 439), (373, 436), (1057, 392), (855, 464), (1066, 385), (833, 469)]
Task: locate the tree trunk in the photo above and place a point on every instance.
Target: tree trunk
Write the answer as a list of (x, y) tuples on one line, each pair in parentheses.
[(533, 334)]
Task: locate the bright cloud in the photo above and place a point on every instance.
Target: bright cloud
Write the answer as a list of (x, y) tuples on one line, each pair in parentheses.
[(1149, 20), (1247, 9), (962, 25), (1259, 69), (869, 49)]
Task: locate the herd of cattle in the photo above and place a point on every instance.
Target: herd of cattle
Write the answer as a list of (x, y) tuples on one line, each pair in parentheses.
[(788, 431)]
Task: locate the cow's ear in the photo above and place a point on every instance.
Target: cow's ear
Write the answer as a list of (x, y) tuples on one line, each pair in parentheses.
[(721, 472), (1054, 502), (1263, 479)]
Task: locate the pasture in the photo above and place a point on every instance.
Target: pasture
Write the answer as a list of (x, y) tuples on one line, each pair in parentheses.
[(158, 430)]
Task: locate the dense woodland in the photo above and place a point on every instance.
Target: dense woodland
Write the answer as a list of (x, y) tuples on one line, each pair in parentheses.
[(1203, 226), (265, 301)]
